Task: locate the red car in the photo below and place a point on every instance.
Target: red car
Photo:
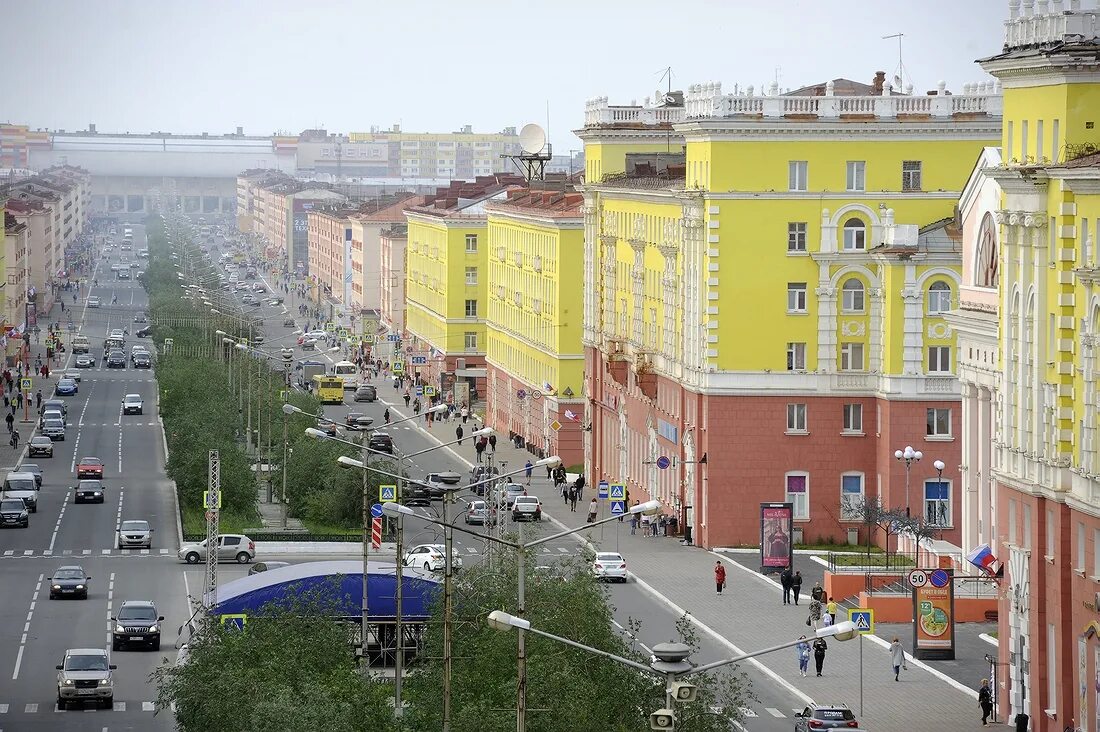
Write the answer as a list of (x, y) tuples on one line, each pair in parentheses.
[(89, 467)]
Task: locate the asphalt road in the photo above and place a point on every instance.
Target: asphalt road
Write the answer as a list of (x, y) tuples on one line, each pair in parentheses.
[(35, 631)]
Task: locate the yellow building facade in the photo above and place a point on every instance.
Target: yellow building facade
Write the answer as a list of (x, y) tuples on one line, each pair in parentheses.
[(535, 360), (765, 285)]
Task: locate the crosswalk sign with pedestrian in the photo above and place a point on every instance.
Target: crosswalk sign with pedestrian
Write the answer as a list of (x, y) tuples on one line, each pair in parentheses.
[(387, 493), (618, 508), (863, 618), (618, 492)]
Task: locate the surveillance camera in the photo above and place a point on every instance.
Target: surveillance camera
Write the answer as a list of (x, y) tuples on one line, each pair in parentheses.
[(682, 692), (662, 719)]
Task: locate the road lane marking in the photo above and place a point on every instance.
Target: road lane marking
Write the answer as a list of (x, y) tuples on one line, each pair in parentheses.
[(148, 707), (110, 602), (30, 709), (121, 706), (79, 427), (119, 425), (774, 712), (23, 641), (57, 526)]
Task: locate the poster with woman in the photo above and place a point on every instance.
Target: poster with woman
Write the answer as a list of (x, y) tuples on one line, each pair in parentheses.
[(776, 525)]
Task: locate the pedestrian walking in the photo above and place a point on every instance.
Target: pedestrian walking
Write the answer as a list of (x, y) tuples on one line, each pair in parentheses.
[(818, 592), (15, 439), (526, 469), (458, 434), (803, 651), (10, 419), (465, 413), (493, 442), (985, 701), (634, 522), (574, 496), (416, 407), (897, 658), (815, 613), (820, 646), (386, 415), (785, 578), (38, 399), (566, 493), (408, 398), (479, 448), (19, 400), (593, 507), (719, 576), (549, 472)]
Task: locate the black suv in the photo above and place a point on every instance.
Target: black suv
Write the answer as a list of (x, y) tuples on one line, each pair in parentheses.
[(416, 494), (116, 360), (381, 443), (13, 512), (137, 622)]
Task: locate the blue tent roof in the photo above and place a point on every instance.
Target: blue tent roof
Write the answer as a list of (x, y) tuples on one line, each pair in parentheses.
[(249, 595)]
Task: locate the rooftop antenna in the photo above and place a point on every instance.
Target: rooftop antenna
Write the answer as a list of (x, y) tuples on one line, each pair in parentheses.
[(900, 72), (666, 73), (536, 152)]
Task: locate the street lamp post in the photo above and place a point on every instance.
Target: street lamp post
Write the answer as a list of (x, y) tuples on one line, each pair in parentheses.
[(908, 456)]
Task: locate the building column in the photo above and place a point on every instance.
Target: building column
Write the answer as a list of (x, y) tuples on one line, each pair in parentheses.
[(987, 515), (637, 279), (969, 470), (913, 338), (826, 322)]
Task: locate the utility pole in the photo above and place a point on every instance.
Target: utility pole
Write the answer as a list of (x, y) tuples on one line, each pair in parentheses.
[(364, 661), (399, 628), (448, 595), (213, 502)]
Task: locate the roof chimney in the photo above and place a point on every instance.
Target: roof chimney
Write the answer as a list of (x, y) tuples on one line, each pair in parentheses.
[(91, 127), (240, 131), (878, 83)]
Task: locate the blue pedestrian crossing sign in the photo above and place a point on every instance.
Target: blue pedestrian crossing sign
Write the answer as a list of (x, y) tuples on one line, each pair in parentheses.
[(420, 391), (387, 493), (863, 618), (376, 510), (601, 490), (618, 508), (419, 360), (618, 492), (393, 337)]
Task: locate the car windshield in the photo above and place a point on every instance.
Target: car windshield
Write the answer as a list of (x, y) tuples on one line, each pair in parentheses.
[(86, 663), (608, 557), (11, 504), (834, 714), (92, 484), (135, 526), (131, 398), (90, 461), (20, 484), (515, 488), (68, 574), (54, 423), (137, 613), (41, 441)]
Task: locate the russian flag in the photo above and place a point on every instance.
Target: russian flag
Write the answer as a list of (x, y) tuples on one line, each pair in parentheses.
[(982, 558)]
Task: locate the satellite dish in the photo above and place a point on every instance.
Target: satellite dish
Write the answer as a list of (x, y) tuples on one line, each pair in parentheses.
[(532, 138)]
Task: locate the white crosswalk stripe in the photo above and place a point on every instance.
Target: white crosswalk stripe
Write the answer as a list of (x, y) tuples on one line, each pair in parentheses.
[(33, 708), (149, 706), (121, 706), (4, 707), (771, 710)]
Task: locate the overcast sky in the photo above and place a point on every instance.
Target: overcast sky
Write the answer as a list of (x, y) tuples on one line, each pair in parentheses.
[(435, 65)]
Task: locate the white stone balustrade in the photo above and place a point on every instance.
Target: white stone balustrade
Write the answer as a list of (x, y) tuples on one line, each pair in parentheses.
[(1042, 22)]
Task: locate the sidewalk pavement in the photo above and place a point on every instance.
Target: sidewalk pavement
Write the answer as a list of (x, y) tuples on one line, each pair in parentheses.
[(345, 549)]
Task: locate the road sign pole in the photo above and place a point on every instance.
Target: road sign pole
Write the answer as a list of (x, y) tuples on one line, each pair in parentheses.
[(213, 504), (861, 675)]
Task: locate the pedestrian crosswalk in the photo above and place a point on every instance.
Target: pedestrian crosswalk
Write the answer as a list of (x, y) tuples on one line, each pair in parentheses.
[(750, 713), (51, 707), (47, 554)]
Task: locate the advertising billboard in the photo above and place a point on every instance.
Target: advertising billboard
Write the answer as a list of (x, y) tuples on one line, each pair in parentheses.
[(933, 613), (776, 527)]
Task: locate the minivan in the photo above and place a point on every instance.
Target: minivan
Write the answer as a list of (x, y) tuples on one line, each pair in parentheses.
[(23, 486), (80, 344)]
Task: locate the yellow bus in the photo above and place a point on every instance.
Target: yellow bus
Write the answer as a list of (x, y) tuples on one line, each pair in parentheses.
[(329, 389)]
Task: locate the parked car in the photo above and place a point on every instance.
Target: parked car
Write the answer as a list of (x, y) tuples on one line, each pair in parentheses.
[(289, 323), (230, 546), (132, 404), (526, 508), (825, 716), (365, 393), (89, 490), (481, 478), (13, 512), (144, 332), (40, 445), (609, 566), (33, 469), (431, 557), (477, 512), (509, 492), (89, 467), (66, 387), (69, 581), (84, 674), (135, 533), (137, 622), (266, 566)]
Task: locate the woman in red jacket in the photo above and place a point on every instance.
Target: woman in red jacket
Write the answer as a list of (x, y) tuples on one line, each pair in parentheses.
[(719, 575)]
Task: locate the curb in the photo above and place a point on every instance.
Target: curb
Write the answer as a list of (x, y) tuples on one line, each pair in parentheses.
[(989, 639)]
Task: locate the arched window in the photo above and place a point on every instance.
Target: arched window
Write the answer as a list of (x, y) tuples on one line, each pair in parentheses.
[(939, 297), (855, 235), (985, 269), (852, 293)]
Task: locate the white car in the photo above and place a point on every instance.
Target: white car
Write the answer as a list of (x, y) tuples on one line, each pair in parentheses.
[(132, 404), (93, 302), (431, 558), (609, 566)]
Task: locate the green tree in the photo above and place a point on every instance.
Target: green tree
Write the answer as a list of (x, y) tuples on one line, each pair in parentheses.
[(568, 689), (292, 670)]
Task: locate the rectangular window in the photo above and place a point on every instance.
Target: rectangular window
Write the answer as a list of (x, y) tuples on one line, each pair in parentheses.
[(470, 341), (797, 174), (937, 502), (798, 493), (851, 357), (1050, 533), (796, 417), (796, 297), (1080, 546), (855, 178), (1039, 140), (1096, 552), (853, 418), (796, 356), (939, 299), (851, 497), (939, 423), (471, 276), (1008, 140), (1027, 525), (471, 308), (1012, 523), (796, 236), (910, 175), (471, 243), (1023, 141), (1052, 674), (939, 359)]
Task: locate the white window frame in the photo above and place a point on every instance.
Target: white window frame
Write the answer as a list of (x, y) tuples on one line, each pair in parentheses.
[(849, 500), (796, 236), (796, 356), (467, 307), (933, 417), (937, 511), (853, 299), (796, 418), (939, 297), (469, 339), (796, 297), (939, 360), (853, 418), (855, 237), (800, 501), (798, 175), (471, 243), (1081, 547), (856, 178), (471, 281), (912, 171), (849, 351)]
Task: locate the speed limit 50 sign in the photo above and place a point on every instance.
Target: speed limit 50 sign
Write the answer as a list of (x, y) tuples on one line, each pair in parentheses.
[(918, 578)]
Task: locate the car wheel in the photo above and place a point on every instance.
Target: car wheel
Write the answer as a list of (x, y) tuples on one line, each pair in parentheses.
[(243, 558), (115, 645), (156, 644), (34, 508), (85, 595), (108, 702), (62, 704), (427, 567), (192, 558)]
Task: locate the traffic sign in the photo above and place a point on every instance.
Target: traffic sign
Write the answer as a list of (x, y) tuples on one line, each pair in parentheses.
[(376, 510), (918, 578), (429, 391), (387, 493), (419, 360), (618, 492), (398, 367), (330, 327), (536, 395), (601, 490), (521, 394), (419, 390), (368, 338), (342, 332), (618, 508), (211, 499), (939, 578), (663, 462), (25, 384), (394, 337), (234, 621), (864, 619), (555, 425)]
